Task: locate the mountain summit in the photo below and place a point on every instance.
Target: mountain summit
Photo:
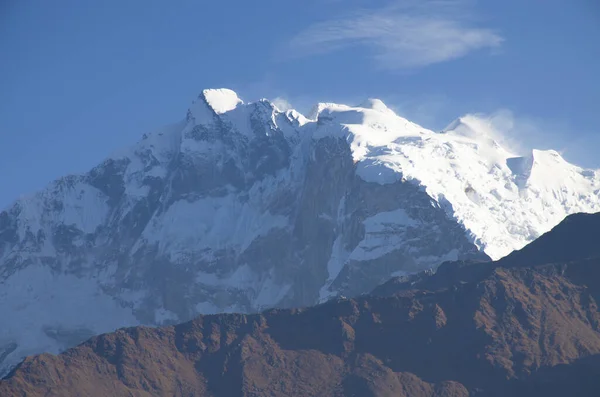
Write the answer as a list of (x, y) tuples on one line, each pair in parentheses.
[(241, 206)]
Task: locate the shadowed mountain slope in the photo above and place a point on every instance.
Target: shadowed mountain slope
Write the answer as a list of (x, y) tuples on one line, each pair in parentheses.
[(527, 325)]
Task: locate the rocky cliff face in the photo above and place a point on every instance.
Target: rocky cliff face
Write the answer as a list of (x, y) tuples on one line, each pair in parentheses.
[(517, 327), (241, 207)]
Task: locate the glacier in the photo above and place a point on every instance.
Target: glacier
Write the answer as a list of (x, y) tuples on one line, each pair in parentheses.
[(242, 206)]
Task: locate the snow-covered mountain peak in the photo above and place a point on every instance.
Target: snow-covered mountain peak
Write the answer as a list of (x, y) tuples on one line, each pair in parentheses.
[(242, 206), (495, 194), (548, 170), (473, 127), (326, 109), (552, 173), (211, 103), (221, 100), (316, 110), (296, 118), (376, 104), (549, 157)]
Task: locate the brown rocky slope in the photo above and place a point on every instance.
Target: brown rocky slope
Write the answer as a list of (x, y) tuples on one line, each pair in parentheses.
[(527, 325)]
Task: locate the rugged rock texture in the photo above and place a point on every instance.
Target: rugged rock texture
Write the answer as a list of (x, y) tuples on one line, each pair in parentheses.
[(242, 207), (504, 328)]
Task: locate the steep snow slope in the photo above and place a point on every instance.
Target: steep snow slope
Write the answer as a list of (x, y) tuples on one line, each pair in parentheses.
[(239, 207), (504, 201)]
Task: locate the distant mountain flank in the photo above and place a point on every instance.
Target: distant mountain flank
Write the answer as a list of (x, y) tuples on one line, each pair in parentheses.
[(241, 207)]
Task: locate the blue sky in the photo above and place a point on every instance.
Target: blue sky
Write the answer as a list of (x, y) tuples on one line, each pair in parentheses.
[(80, 79)]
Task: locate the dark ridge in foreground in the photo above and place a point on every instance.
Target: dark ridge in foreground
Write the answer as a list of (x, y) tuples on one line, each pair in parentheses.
[(527, 325)]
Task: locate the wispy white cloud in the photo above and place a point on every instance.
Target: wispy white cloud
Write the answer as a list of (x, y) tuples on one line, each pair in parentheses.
[(402, 35), (521, 134), (517, 132), (282, 103)]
